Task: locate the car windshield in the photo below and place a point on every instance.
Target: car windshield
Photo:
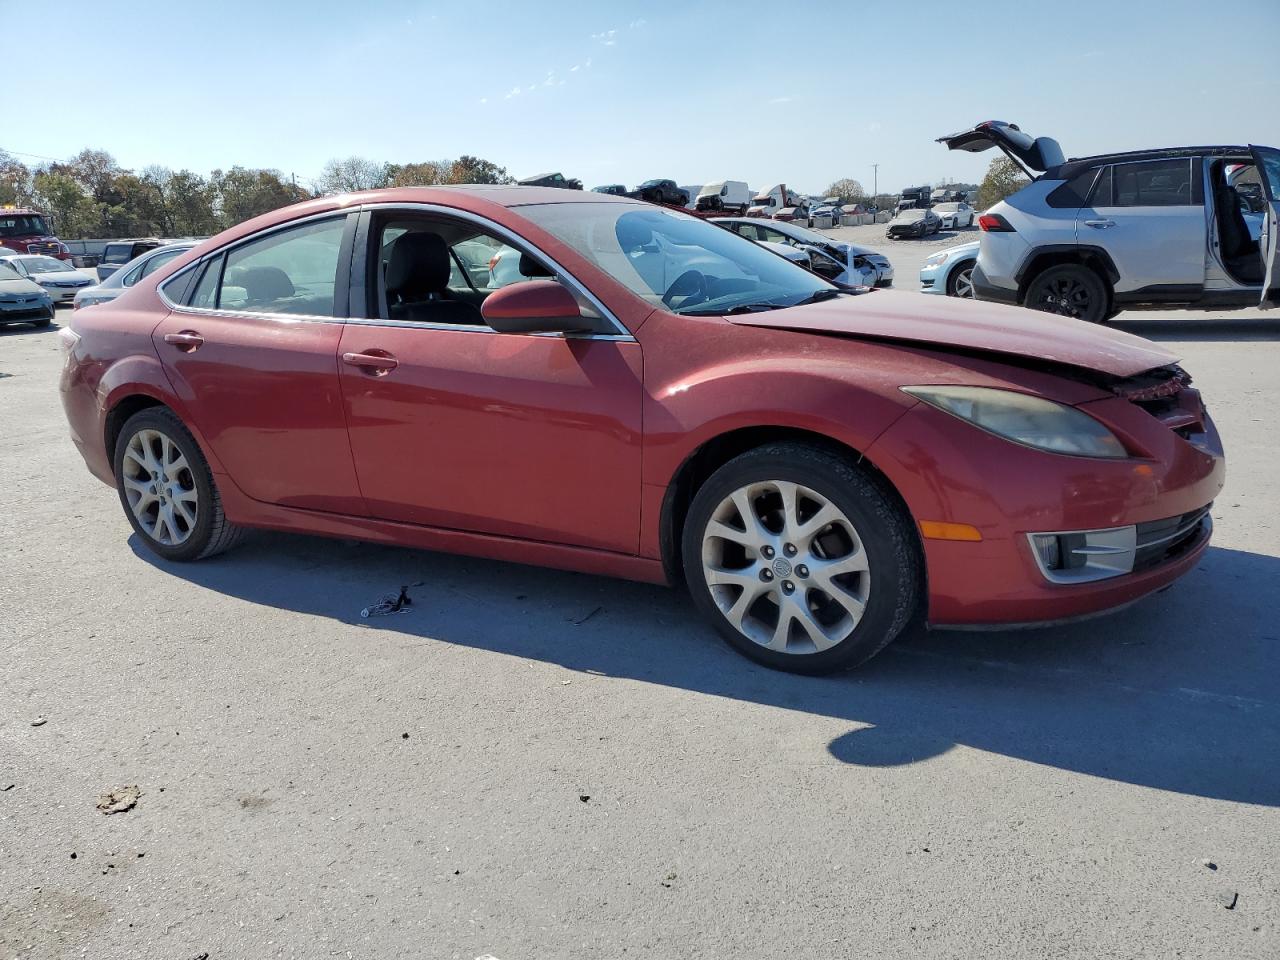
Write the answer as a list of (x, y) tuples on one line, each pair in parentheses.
[(45, 265), (8, 273), (677, 261), (946, 207), (909, 215), (26, 225)]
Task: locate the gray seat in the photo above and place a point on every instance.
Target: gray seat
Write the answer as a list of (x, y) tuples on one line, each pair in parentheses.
[(417, 282)]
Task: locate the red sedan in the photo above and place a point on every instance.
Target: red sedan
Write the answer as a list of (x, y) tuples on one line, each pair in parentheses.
[(649, 396)]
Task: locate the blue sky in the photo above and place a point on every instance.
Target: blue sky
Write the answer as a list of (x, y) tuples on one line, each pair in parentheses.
[(619, 92)]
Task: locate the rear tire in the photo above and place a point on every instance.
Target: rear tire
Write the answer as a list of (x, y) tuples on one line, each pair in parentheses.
[(167, 489), (822, 576), (1070, 290)]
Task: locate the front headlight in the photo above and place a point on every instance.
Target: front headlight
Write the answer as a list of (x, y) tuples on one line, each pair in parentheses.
[(936, 259), (1032, 421)]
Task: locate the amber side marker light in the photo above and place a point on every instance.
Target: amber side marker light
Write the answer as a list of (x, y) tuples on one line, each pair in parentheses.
[(940, 530)]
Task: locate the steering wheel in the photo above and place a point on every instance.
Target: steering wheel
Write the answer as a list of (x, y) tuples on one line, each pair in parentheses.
[(692, 285)]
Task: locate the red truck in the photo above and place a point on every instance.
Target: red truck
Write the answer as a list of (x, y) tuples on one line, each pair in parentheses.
[(30, 231)]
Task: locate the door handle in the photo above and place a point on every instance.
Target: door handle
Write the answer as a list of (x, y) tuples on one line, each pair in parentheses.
[(377, 364), (187, 341), (1100, 224)]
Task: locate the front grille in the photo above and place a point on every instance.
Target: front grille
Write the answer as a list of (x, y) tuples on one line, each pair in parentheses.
[(9, 316), (1162, 540)]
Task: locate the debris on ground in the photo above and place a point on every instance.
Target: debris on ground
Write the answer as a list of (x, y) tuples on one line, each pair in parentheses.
[(389, 603), (1228, 899), (1209, 863), (39, 721), (119, 800), (668, 880), (584, 797), (581, 620), (7, 787)]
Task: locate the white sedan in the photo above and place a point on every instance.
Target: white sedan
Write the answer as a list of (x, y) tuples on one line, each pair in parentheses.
[(60, 280), (954, 215)]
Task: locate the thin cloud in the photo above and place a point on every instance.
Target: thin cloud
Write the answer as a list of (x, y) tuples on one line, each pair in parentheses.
[(513, 92), (780, 100), (607, 37), (636, 24)]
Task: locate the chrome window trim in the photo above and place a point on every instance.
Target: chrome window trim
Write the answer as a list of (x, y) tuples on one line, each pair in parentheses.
[(620, 334)]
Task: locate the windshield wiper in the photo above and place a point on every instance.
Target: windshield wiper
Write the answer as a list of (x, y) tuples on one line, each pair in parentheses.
[(817, 297), (731, 311)]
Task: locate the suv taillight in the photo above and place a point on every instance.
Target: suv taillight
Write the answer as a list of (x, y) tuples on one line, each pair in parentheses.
[(994, 223)]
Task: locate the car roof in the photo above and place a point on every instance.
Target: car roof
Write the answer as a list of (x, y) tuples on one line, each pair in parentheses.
[(1076, 164)]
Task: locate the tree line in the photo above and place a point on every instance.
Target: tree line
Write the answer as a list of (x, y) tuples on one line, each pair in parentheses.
[(91, 195)]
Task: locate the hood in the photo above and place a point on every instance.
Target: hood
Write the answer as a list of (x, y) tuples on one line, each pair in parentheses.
[(970, 325), (65, 277), (19, 287)]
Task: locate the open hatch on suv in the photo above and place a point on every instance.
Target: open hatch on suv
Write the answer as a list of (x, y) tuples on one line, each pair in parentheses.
[(1190, 227)]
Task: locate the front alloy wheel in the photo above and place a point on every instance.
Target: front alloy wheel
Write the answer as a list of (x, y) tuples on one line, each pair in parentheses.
[(786, 567), (960, 283), (801, 559)]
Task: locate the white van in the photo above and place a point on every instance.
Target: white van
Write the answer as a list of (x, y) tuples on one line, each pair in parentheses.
[(732, 196), (768, 202)]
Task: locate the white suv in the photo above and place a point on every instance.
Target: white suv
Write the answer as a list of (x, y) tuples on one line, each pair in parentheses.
[(1187, 227)]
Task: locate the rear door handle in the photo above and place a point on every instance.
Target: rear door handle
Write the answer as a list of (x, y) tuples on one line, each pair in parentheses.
[(376, 364), (186, 341), (1100, 224)]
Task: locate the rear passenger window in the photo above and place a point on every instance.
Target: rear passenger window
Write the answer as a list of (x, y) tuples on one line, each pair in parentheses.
[(290, 271), (206, 292), (1156, 183)]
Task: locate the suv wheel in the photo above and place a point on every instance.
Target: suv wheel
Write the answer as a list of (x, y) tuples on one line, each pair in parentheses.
[(801, 559), (1069, 290)]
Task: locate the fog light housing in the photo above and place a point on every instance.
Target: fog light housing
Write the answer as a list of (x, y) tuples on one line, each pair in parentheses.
[(1082, 556)]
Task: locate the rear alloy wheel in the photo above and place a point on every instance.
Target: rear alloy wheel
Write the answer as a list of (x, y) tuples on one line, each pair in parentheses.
[(960, 282), (167, 489), (1069, 291), (801, 560)]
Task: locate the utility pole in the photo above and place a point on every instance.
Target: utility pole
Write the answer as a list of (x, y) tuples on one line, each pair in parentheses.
[(875, 182)]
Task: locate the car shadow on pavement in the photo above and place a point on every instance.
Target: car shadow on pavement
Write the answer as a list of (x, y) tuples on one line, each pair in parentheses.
[(1176, 693), (1239, 330)]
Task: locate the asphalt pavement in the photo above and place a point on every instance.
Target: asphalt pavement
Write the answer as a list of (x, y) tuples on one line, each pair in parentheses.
[(539, 764)]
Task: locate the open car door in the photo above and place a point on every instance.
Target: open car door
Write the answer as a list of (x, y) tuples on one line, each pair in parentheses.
[(1268, 161), (1034, 155)]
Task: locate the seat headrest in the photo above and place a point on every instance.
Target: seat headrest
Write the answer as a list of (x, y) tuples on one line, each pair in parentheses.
[(530, 267), (261, 284), (418, 266)]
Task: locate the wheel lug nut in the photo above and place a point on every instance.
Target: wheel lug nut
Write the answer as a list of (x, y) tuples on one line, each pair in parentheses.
[(766, 575), (788, 586), (767, 552), (790, 549), (802, 570)]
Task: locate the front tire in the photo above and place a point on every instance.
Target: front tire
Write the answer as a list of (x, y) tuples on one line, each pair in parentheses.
[(167, 489), (1069, 290), (801, 559), (960, 280)]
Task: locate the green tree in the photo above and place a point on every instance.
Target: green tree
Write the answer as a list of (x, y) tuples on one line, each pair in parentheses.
[(426, 174), (848, 190), (76, 214), (474, 170), (1003, 179), (242, 194), (15, 181)]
